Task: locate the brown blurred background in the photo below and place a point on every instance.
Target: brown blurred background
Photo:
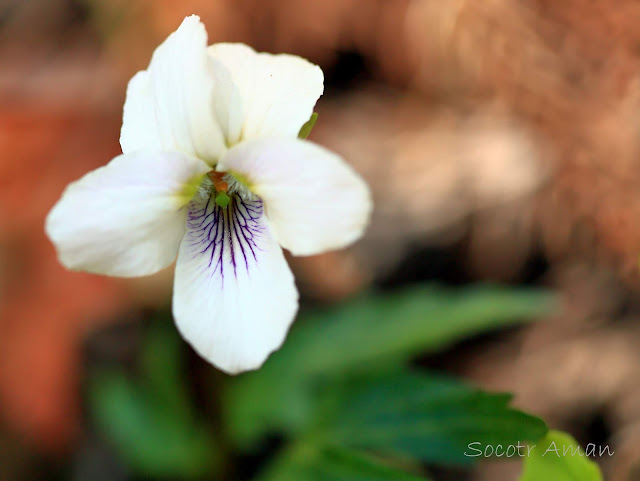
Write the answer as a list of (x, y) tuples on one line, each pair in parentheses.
[(501, 140)]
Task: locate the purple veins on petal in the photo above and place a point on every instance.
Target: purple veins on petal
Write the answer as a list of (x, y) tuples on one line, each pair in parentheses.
[(229, 234)]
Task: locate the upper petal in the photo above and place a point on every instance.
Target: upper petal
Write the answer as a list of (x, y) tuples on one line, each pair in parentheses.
[(234, 296), (139, 127), (314, 201), (126, 218), (170, 106), (268, 95)]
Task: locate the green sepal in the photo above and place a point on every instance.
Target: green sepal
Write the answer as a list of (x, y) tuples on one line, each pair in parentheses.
[(305, 130)]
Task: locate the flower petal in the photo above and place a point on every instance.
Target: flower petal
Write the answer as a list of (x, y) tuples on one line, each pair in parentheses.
[(234, 296), (275, 94), (314, 201), (126, 218), (139, 127), (170, 106)]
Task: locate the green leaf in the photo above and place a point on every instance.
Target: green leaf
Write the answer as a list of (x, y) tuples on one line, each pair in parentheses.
[(432, 418), (346, 465), (371, 333), (305, 130), (559, 457), (161, 367), (379, 327), (331, 463), (149, 421)]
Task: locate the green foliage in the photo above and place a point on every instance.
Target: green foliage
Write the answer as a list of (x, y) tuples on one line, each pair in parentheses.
[(312, 463), (556, 458), (372, 333), (150, 422), (403, 416), (340, 390), (431, 418)]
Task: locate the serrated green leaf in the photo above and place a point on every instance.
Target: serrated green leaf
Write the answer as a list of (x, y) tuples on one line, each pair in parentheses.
[(368, 334), (559, 457), (431, 418)]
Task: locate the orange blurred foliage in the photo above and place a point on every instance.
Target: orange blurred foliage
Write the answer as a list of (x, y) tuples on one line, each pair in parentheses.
[(46, 311)]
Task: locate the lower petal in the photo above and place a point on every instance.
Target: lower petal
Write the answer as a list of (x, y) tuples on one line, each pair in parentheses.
[(234, 295)]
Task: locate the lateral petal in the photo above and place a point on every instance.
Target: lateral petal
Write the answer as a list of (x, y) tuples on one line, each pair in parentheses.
[(127, 218), (313, 199)]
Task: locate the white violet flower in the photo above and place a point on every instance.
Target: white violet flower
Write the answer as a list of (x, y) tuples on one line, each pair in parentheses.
[(213, 171)]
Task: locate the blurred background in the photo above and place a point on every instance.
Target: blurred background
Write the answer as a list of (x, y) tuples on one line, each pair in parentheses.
[(501, 141)]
